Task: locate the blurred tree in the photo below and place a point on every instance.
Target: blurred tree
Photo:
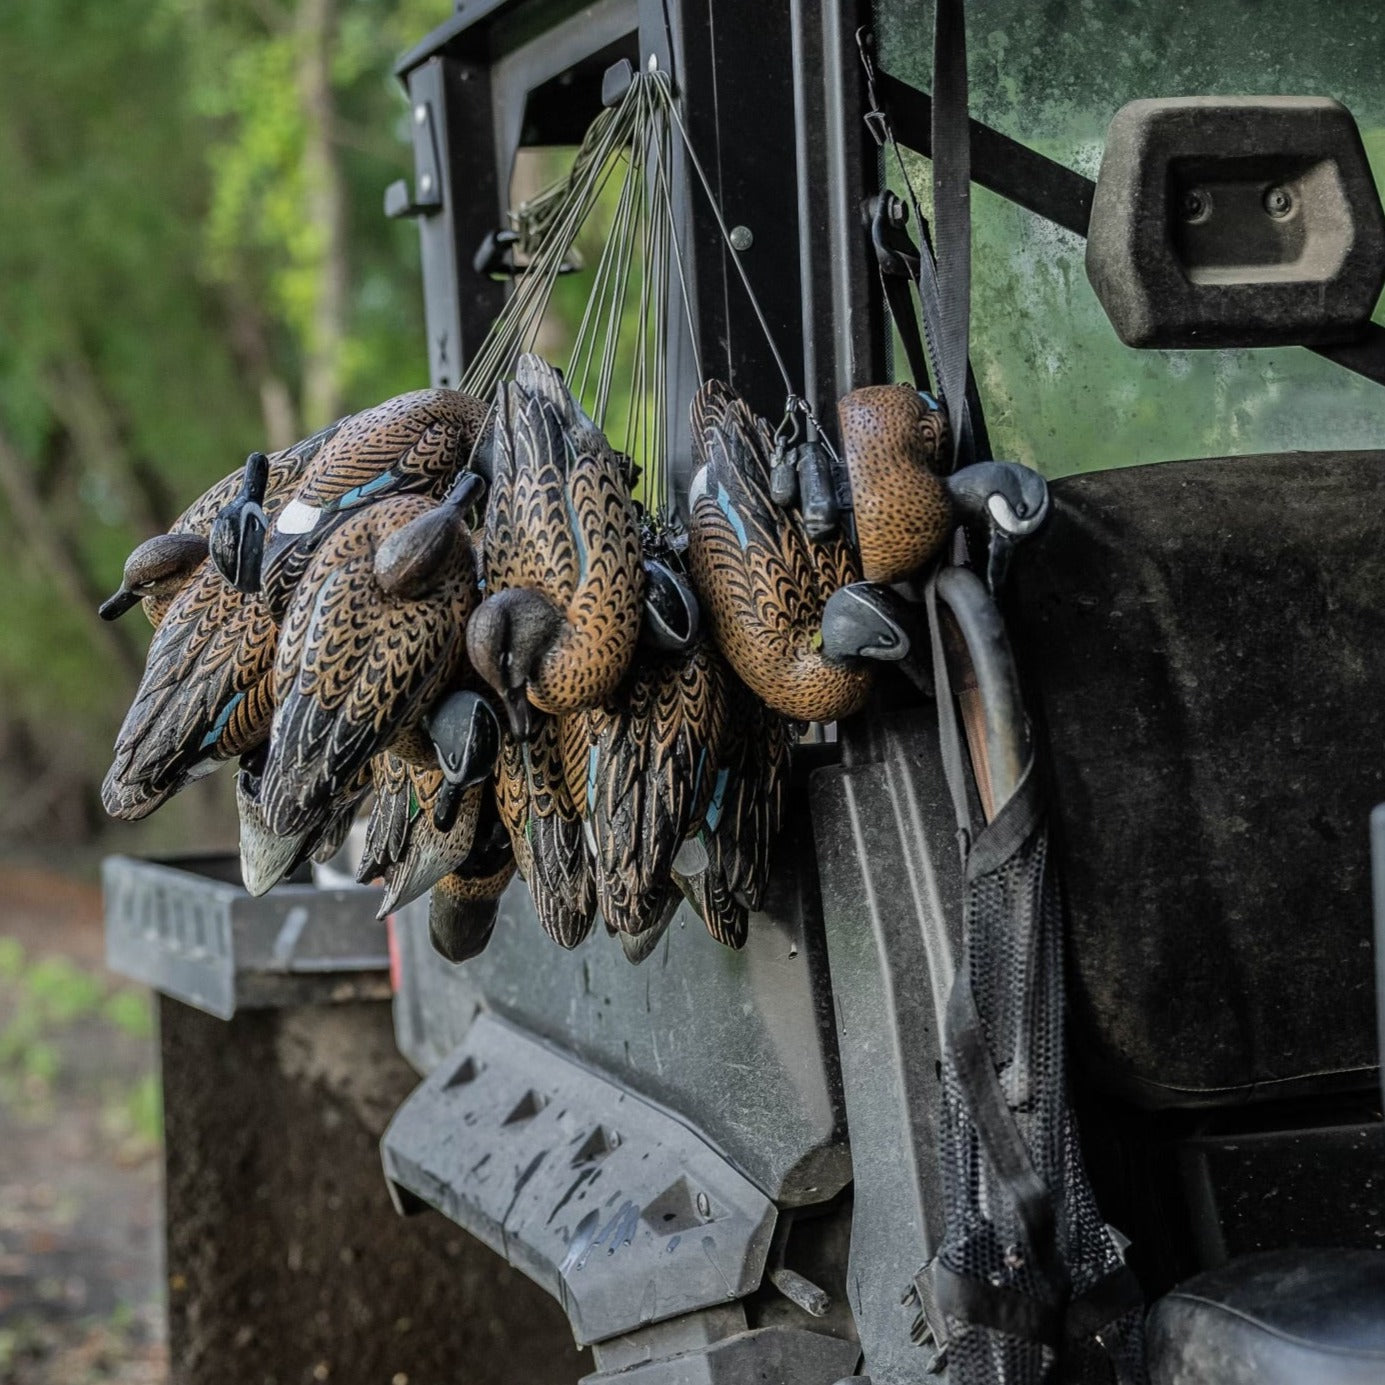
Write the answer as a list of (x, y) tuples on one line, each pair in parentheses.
[(193, 263)]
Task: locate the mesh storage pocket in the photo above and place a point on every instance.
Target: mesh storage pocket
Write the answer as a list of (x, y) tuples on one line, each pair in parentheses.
[(1028, 1278)]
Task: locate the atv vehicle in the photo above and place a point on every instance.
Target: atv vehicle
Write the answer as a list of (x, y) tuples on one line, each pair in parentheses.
[(733, 1166)]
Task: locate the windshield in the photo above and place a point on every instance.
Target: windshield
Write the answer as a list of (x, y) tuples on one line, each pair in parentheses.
[(1059, 389)]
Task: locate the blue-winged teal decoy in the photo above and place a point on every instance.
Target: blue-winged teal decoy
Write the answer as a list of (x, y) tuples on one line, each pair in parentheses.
[(642, 768), (404, 844), (238, 532), (545, 826), (724, 867), (155, 573), (205, 696), (892, 438), (564, 576), (763, 579), (374, 633), (415, 443), (463, 907)]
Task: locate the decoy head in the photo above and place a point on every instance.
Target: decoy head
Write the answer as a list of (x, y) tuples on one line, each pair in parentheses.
[(238, 533), (465, 732), (1001, 504), (411, 560), (506, 637), (866, 620), (672, 617), (158, 567)]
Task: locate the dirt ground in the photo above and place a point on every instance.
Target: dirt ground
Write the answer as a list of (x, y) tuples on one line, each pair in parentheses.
[(286, 1262), (81, 1282)]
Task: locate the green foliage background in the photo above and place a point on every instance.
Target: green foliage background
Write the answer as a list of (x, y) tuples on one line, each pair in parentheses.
[(161, 291)]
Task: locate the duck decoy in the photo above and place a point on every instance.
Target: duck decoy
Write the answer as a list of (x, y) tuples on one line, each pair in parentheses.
[(238, 532), (205, 695), (465, 734), (155, 573), (644, 765), (267, 858), (672, 618), (893, 438), (762, 577), (415, 443), (564, 578), (375, 630), (404, 845), (464, 903), (536, 805), (1000, 505), (723, 868), (158, 568)]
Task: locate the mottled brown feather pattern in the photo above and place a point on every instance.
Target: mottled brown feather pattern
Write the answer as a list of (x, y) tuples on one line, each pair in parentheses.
[(648, 758), (355, 667), (560, 520), (891, 441), (402, 844), (749, 813), (423, 439), (213, 647), (559, 874), (762, 579)]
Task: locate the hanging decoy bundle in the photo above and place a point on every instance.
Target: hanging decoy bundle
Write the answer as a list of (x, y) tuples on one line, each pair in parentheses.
[(484, 609)]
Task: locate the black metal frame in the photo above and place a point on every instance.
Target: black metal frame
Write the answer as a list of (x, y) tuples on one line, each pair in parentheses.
[(779, 94)]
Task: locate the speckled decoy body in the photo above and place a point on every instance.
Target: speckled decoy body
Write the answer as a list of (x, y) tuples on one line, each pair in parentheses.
[(545, 828), (415, 443), (403, 844), (642, 768), (763, 579), (564, 576), (206, 694), (375, 632), (737, 830), (891, 441)]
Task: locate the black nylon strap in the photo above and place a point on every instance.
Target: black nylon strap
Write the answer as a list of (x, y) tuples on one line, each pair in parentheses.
[(952, 216), (1000, 1137), (981, 1304), (1111, 1297)]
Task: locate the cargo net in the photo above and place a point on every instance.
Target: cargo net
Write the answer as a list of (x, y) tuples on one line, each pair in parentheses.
[(1029, 1286)]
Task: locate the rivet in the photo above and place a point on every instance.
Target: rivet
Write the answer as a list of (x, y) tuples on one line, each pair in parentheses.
[(1279, 202), (1196, 205), (741, 239)]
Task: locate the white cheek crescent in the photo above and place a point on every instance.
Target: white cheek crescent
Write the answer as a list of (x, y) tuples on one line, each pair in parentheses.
[(298, 518)]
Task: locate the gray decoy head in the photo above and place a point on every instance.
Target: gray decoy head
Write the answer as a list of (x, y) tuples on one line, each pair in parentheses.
[(507, 635), (237, 538), (158, 567), (1000, 504), (867, 620), (672, 616), (870, 621), (465, 732)]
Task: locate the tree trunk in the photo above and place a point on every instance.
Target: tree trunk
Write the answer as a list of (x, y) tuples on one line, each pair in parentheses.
[(35, 524), (325, 212)]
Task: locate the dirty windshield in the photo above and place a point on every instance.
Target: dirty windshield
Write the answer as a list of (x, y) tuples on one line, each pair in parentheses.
[(1060, 391)]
